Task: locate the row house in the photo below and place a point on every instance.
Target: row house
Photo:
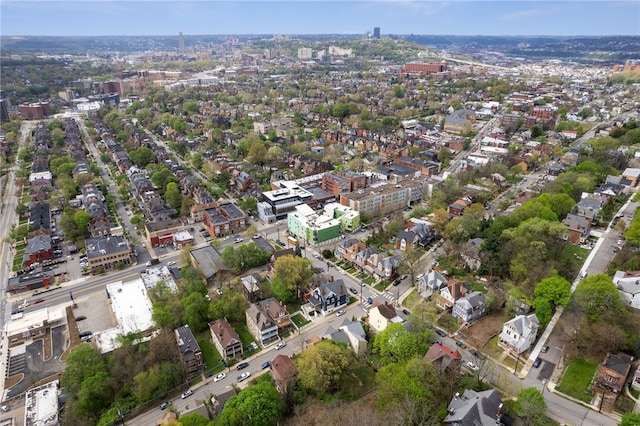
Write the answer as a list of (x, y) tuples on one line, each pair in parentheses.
[(611, 378), (426, 168), (267, 319), (38, 250), (189, 350)]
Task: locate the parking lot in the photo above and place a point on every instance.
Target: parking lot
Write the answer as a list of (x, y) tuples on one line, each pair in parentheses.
[(94, 314), (28, 360)]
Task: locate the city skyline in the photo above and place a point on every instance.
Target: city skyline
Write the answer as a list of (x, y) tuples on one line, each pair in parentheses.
[(401, 17)]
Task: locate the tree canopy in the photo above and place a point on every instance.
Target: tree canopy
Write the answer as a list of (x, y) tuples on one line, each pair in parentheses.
[(322, 367)]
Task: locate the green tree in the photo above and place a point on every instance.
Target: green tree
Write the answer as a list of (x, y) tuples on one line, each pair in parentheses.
[(95, 395), (257, 153), (599, 298), (196, 311), (195, 419), (531, 407), (258, 405), (231, 305), (630, 419), (397, 344), (554, 289), (249, 205), (294, 272), (323, 367), (82, 219), (83, 362), (197, 160), (142, 156), (173, 196), (252, 231)]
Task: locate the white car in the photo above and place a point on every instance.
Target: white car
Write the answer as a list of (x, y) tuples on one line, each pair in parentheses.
[(340, 313), (187, 394), (280, 345), (244, 376), (472, 366), (173, 262), (219, 377)]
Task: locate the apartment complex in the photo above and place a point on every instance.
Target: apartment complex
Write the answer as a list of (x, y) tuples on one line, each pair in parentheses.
[(381, 199)]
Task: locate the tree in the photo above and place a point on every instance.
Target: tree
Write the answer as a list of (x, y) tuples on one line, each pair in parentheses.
[(323, 367), (599, 298), (531, 407), (82, 219), (252, 231), (258, 405), (231, 305), (83, 362), (294, 272), (197, 160), (173, 196), (397, 344), (196, 311), (142, 156), (249, 205), (257, 153), (555, 290), (630, 419)]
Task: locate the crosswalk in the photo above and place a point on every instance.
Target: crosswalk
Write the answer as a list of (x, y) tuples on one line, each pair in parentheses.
[(387, 295)]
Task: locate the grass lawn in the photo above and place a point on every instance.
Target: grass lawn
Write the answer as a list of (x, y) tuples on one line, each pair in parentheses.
[(381, 286), (369, 280), (412, 299), (244, 334), (492, 349), (210, 355), (575, 254), (577, 378), (299, 320)]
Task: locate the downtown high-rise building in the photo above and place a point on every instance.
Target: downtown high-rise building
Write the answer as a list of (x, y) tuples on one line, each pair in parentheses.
[(181, 49), (376, 32)]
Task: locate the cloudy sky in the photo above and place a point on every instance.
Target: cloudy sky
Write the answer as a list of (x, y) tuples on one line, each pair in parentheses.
[(453, 17)]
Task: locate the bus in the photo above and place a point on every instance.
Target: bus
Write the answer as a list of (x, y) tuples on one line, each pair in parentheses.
[(292, 240)]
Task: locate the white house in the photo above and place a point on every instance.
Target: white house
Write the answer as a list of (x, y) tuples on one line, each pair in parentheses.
[(628, 284), (381, 316), (430, 283), (519, 333), (469, 307)]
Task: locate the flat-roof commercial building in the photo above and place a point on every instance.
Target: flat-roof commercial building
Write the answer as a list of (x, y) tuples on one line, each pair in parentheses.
[(311, 227), (382, 199), (41, 405), (108, 252)]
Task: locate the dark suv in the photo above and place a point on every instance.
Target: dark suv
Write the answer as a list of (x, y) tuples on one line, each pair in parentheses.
[(242, 365)]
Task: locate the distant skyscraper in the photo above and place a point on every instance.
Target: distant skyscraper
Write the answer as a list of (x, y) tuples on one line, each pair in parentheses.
[(376, 32), (181, 49)]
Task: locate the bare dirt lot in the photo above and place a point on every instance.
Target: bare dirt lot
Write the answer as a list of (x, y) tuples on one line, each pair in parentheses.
[(481, 331)]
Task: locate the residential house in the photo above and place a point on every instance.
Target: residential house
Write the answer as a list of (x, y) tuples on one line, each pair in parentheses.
[(382, 315), (260, 325), (578, 228), (459, 121), (473, 408), (446, 297), (278, 313), (418, 234), (444, 358), (456, 209), (635, 383), (610, 379), (225, 339), (631, 175), (284, 374), (470, 253), (589, 206), (189, 349), (251, 287), (470, 307), (327, 297), (220, 399), (519, 333), (430, 283), (628, 284), (38, 250)]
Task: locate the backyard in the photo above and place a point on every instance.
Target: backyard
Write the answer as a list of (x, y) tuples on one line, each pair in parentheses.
[(577, 378)]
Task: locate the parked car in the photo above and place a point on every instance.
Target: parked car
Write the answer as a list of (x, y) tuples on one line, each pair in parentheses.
[(219, 377), (187, 394), (472, 366), (170, 263), (461, 344), (280, 346), (244, 376), (478, 354), (544, 349), (242, 365), (404, 277), (537, 363), (406, 311), (84, 333), (81, 318), (440, 333), (340, 313), (353, 290), (370, 300), (164, 405), (35, 302), (238, 240), (266, 365)]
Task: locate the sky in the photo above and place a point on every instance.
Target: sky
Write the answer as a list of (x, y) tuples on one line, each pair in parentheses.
[(453, 17)]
